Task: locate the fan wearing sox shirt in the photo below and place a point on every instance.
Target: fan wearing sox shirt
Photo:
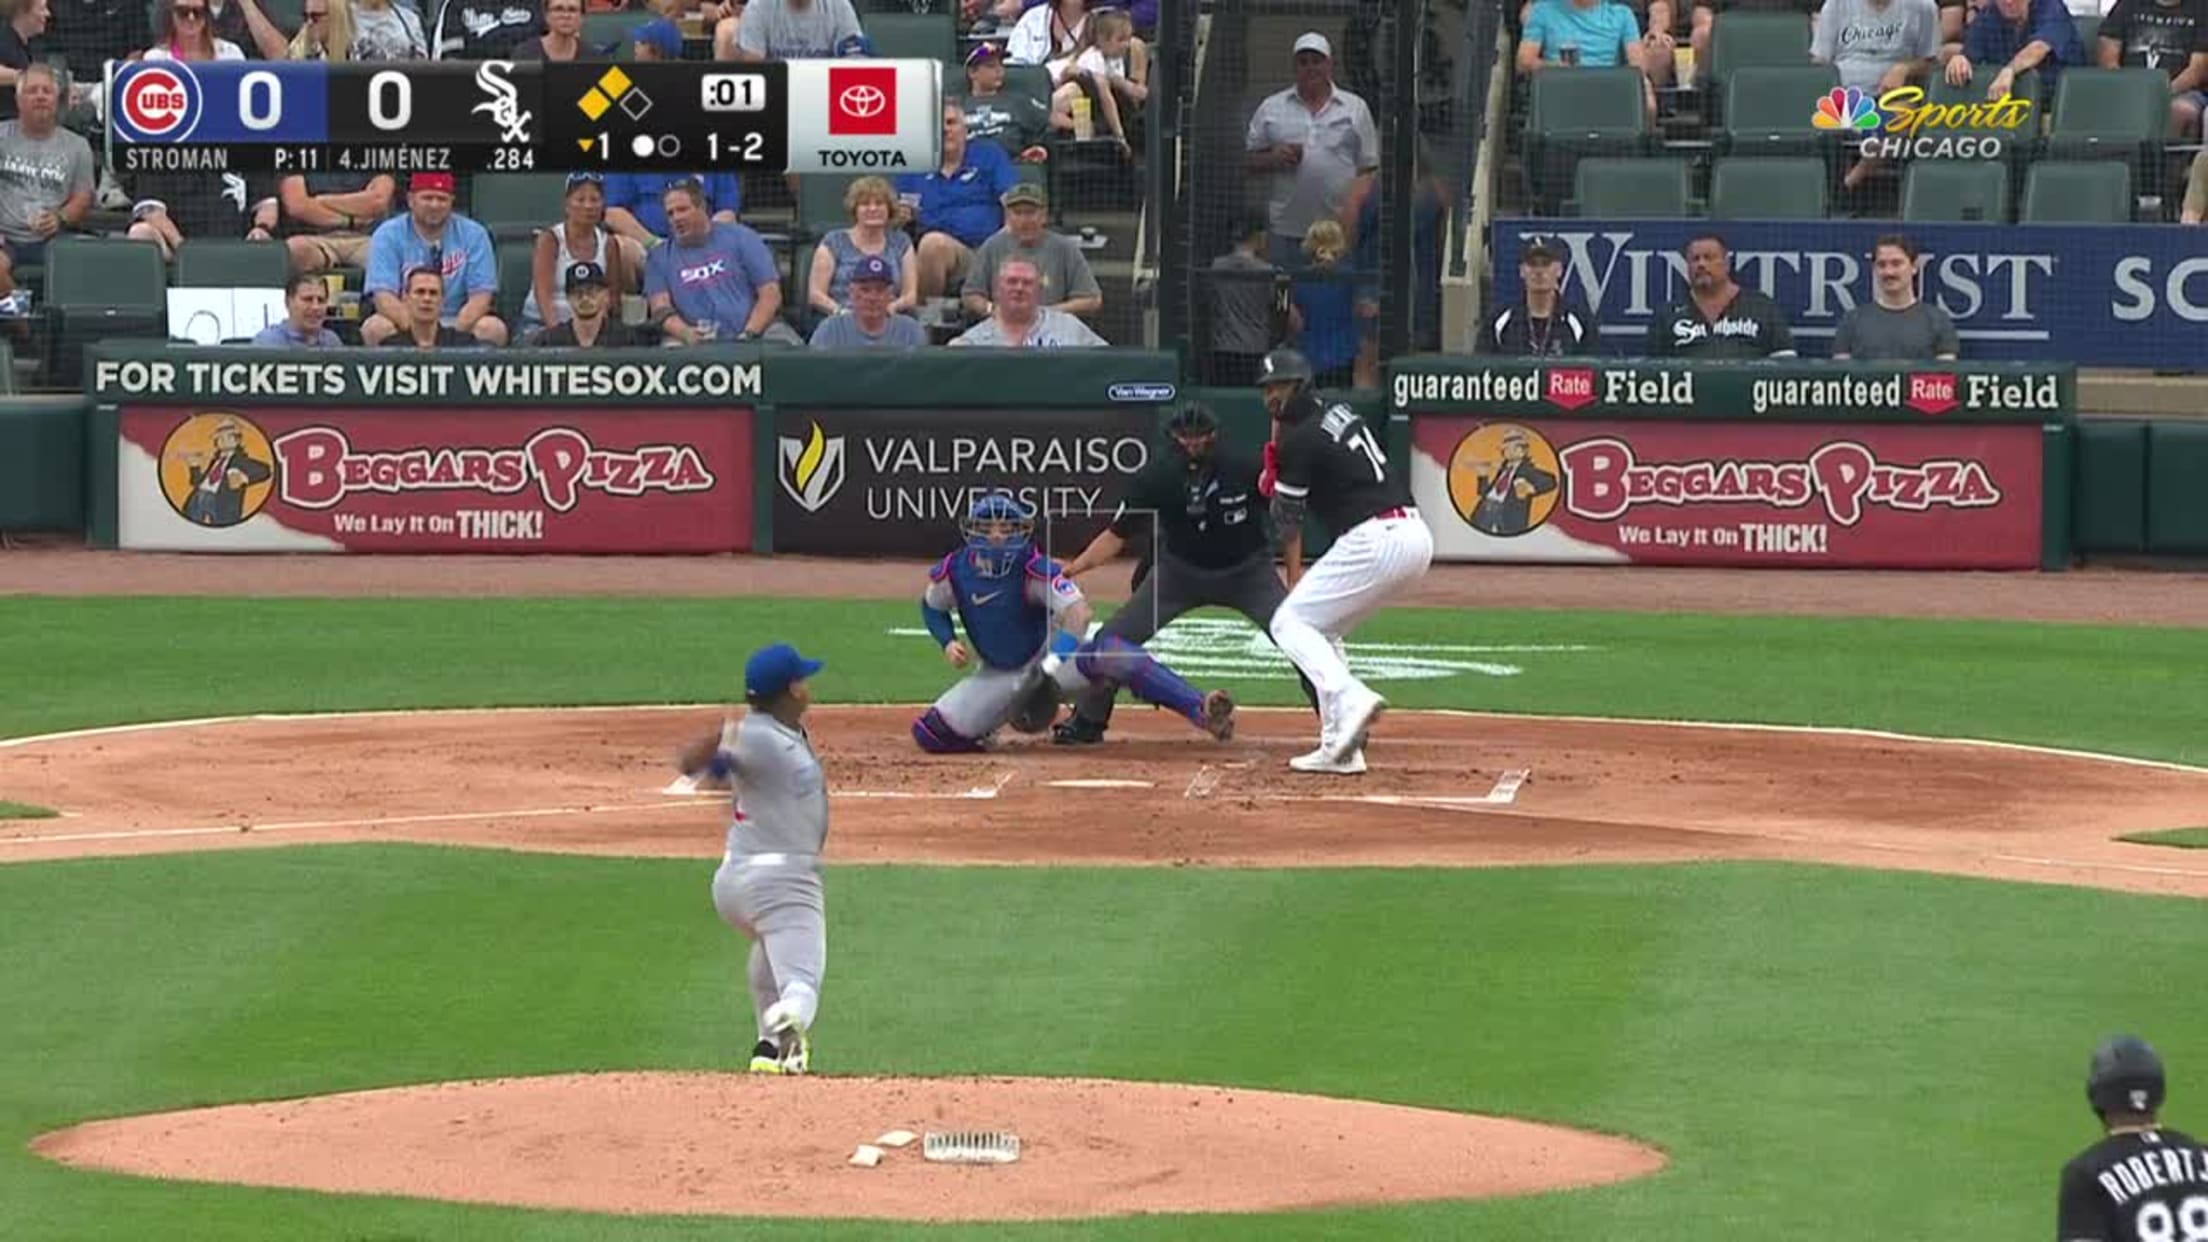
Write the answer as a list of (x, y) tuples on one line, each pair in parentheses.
[(2169, 35), (484, 29), (1718, 318)]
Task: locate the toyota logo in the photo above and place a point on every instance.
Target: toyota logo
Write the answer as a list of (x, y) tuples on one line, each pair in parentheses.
[(863, 102), (158, 102)]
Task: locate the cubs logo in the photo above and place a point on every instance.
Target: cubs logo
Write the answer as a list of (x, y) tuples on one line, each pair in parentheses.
[(157, 101), (1504, 479), (811, 469), (217, 469)]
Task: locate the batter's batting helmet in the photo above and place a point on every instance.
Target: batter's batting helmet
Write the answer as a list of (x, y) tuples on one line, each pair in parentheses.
[(1284, 366), (2125, 1077)]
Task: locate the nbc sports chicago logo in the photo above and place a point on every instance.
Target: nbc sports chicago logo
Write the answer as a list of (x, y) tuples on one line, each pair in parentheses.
[(1904, 124)]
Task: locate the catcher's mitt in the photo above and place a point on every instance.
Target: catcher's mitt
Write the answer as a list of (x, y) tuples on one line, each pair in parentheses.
[(1037, 707)]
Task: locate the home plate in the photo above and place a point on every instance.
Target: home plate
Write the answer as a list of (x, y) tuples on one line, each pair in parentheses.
[(1101, 784)]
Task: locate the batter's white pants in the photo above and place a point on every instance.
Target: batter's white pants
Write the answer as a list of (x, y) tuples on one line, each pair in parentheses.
[(1374, 562)]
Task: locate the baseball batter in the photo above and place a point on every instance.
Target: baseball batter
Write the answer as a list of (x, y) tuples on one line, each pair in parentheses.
[(769, 885), (2141, 1183), (1325, 459), (1023, 618)]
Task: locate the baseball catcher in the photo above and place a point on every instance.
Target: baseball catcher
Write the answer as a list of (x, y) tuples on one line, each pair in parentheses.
[(1023, 619)]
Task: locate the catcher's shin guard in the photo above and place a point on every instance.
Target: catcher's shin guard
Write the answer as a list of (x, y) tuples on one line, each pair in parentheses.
[(1115, 660), (938, 738)]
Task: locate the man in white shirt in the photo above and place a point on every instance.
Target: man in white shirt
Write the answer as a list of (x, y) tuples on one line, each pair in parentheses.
[(1021, 321), (1317, 145)]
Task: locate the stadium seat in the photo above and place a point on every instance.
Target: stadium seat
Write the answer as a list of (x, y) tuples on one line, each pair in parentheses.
[(1644, 189), (915, 36), (610, 31), (2019, 144), (9, 384), (1955, 191), (516, 272), (1768, 189), (98, 288), (1578, 113), (2111, 114), (1774, 40), (1769, 111), (513, 205), (232, 265), (1032, 81), (820, 203), (2094, 192)]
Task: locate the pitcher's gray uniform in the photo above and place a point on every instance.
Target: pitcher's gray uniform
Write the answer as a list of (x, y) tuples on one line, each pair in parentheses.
[(769, 884)]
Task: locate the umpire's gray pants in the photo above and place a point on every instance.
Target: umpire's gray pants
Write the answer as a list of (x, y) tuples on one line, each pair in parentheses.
[(1174, 588)]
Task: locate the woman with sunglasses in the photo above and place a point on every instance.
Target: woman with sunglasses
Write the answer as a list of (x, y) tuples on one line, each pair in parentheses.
[(183, 30), (325, 32), (579, 237), (383, 30)]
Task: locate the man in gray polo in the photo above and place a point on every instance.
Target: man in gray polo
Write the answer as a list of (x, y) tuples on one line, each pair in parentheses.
[(1021, 321), (1316, 146), (1897, 325), (1068, 284)]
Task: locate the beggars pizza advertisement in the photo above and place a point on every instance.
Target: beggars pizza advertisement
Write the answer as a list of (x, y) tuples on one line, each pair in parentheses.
[(1676, 493), (434, 480)]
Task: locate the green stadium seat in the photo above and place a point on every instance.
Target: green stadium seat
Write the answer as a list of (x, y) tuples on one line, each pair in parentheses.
[(1574, 114), (916, 36), (1032, 81), (232, 265), (516, 272), (820, 202), (2095, 192), (2018, 145), (1644, 189), (2113, 114), (1769, 110), (1955, 191), (99, 288), (1768, 189), (611, 30), (1772, 40), (513, 205), (9, 386), (2089, 32)]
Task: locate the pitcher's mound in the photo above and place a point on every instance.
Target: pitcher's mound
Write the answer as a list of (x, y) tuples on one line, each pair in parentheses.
[(739, 1145)]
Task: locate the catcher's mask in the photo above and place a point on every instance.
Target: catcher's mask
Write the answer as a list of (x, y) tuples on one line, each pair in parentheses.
[(2125, 1077), (999, 531)]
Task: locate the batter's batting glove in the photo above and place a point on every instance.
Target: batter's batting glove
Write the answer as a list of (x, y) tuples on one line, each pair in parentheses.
[(1271, 473)]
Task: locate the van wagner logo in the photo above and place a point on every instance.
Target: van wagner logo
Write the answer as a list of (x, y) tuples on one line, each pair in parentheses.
[(811, 469), (1904, 124)]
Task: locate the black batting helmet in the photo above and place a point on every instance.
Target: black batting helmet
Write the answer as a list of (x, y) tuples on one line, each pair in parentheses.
[(1193, 419), (1283, 366), (2125, 1077)]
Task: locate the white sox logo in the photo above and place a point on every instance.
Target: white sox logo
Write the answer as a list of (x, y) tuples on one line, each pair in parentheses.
[(811, 469), (704, 272)]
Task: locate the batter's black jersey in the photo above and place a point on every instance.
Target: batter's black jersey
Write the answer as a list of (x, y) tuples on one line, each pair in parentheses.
[(2149, 1186), (1333, 462), (1210, 518)]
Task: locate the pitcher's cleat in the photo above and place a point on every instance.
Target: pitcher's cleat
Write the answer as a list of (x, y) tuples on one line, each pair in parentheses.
[(793, 1048), (1219, 715), (766, 1058), (1352, 764)]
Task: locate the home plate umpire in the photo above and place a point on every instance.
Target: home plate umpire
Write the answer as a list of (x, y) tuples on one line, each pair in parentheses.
[(1216, 548)]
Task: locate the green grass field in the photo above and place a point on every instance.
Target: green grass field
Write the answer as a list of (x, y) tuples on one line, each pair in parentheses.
[(2176, 838), (1823, 1052)]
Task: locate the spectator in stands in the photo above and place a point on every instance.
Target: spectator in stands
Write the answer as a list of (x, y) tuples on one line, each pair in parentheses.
[(172, 207), (2019, 36), (869, 323), (562, 39), (1897, 326), (796, 29), (1718, 319), (1068, 284), (591, 321), (2195, 208), (46, 174), (1875, 46), (1048, 31), (2169, 35), (325, 32), (1019, 320), (481, 29), (1706, 13), (1657, 44), (1317, 146), (306, 310), (387, 30), (92, 32), (423, 312), (326, 216), (458, 249), (1247, 318), (956, 207), (262, 37), (579, 238), (1589, 34), (22, 40), (1954, 17), (713, 280), (1018, 123), (1111, 67), (872, 204), (661, 39), (1336, 314), (636, 202), (181, 32), (1543, 323)]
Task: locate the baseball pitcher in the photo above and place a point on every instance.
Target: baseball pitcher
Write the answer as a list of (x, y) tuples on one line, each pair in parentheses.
[(1023, 618)]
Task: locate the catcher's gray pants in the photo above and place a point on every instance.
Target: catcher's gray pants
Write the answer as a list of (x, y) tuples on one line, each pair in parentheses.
[(984, 700), (1174, 588), (776, 899)]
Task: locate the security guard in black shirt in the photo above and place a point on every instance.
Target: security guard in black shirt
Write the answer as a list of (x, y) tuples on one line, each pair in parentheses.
[(1214, 548)]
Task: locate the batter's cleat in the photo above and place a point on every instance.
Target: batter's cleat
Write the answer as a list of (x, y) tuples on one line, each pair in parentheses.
[(793, 1048), (1360, 708), (1352, 764), (1077, 731), (1219, 715), (766, 1058)]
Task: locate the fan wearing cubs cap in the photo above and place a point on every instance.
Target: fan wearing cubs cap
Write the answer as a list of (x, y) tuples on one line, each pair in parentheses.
[(868, 323), (591, 323), (2141, 1182), (431, 234), (1069, 286), (769, 885)]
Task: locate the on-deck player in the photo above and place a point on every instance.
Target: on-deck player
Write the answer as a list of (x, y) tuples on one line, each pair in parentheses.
[(1326, 459), (2141, 1183), (769, 885), (1022, 618)]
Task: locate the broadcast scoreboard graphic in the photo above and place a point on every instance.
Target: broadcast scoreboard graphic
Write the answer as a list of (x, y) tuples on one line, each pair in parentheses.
[(801, 116)]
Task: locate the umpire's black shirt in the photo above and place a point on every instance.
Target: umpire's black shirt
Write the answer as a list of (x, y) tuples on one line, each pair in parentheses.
[(1212, 518)]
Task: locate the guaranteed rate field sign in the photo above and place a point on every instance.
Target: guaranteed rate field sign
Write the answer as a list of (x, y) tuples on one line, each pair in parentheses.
[(433, 479), (1730, 494)]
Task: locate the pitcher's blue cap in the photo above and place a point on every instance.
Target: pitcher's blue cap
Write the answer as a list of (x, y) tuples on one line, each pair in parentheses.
[(770, 670)]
